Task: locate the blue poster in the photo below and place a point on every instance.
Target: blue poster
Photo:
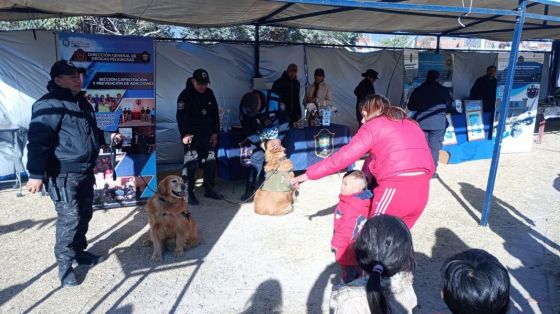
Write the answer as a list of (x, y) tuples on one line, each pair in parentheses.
[(523, 102), (119, 84), (441, 62)]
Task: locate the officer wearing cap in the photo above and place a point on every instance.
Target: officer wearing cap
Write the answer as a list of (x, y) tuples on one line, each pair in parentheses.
[(265, 122), (199, 123), (64, 142), (365, 88)]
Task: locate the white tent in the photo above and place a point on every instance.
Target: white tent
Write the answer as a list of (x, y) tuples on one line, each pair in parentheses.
[(24, 74), (492, 19)]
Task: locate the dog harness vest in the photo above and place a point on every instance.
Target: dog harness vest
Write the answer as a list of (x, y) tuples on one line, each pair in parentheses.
[(277, 181)]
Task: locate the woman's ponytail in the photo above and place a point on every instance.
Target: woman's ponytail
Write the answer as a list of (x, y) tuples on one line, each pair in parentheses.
[(375, 297)]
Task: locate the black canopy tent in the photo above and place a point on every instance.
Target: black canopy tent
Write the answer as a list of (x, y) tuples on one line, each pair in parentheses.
[(492, 19)]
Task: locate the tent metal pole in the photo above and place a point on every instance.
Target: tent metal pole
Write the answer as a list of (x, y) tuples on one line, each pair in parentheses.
[(257, 50), (438, 41), (503, 112), (554, 67)]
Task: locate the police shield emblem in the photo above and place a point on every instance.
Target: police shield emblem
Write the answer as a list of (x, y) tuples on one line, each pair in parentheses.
[(324, 143), (245, 153)]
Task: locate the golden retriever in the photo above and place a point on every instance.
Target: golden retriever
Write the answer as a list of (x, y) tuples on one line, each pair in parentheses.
[(170, 219), (276, 196)]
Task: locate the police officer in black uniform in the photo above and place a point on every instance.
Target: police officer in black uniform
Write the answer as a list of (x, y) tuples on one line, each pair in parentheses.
[(199, 123), (64, 142), (265, 122)]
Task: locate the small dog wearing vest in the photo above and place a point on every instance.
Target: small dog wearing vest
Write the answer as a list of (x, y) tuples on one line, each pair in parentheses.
[(276, 196), (170, 219)]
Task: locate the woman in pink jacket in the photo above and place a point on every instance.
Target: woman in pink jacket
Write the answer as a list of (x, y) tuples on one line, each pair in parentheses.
[(399, 159)]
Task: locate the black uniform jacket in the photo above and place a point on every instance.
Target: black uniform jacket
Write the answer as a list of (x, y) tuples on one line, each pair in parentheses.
[(197, 114), (63, 134)]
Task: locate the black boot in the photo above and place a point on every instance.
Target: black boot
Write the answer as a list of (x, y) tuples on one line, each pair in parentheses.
[(86, 258), (192, 198), (250, 185), (66, 275)]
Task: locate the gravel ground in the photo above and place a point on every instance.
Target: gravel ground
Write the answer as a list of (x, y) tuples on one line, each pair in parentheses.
[(252, 264)]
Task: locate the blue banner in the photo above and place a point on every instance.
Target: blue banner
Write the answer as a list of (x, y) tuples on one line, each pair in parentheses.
[(523, 102), (119, 84)]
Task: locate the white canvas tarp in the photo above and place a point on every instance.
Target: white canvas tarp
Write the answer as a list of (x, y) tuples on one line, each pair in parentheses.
[(355, 19), (25, 61), (467, 67), (26, 57), (230, 68), (343, 73)]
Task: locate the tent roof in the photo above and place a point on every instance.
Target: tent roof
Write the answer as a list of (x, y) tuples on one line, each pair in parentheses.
[(338, 15)]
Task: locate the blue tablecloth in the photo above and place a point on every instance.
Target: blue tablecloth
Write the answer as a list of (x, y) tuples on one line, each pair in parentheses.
[(465, 150), (304, 147)]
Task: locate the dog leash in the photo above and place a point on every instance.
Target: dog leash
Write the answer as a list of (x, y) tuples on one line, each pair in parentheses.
[(254, 193)]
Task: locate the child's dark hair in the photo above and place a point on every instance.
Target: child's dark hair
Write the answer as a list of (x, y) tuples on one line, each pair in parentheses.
[(474, 281), (383, 249), (356, 174)]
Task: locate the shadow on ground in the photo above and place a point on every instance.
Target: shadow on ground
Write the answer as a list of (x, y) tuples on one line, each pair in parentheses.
[(316, 295), (135, 259), (539, 262), (266, 299)]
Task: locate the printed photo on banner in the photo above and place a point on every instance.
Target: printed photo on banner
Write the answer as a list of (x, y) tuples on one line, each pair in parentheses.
[(119, 84), (137, 112)]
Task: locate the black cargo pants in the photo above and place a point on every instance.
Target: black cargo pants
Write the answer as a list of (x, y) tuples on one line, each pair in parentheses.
[(72, 194), (199, 153)]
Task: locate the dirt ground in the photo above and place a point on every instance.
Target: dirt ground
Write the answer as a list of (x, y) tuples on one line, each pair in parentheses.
[(252, 264)]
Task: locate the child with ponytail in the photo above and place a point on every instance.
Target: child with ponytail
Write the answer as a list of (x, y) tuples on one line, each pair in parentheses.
[(384, 250)]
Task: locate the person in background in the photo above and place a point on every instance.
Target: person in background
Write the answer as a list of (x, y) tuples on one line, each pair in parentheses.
[(484, 88), (64, 143), (365, 88), (287, 86), (199, 125), (430, 101), (265, 123), (385, 252), (350, 215), (399, 160), (319, 92), (474, 281)]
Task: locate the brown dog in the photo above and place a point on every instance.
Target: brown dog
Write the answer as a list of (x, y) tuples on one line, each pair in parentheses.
[(170, 219), (276, 196)]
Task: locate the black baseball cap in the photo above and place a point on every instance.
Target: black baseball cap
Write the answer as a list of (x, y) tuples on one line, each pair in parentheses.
[(65, 67), (320, 72), (371, 73), (201, 76), (250, 103)]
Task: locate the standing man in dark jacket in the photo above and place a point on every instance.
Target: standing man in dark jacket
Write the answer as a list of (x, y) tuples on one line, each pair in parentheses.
[(199, 124), (430, 100), (265, 123), (364, 89), (64, 142), (287, 87), (485, 89)]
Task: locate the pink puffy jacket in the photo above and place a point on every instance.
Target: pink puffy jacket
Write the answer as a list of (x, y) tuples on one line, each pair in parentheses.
[(395, 147)]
